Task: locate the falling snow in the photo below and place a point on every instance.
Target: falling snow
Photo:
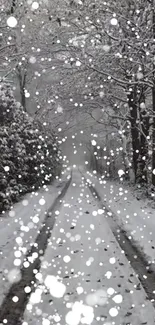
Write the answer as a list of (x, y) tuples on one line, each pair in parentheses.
[(12, 22), (77, 162)]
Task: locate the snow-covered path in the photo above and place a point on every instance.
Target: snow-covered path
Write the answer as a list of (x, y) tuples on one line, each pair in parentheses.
[(135, 217), (84, 276), (19, 229)]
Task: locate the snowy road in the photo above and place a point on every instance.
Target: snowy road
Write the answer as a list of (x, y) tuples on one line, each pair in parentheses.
[(84, 276)]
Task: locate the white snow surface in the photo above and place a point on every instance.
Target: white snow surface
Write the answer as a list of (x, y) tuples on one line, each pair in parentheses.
[(19, 229), (136, 217), (85, 278)]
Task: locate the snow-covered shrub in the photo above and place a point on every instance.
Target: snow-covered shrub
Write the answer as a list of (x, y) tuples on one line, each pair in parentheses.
[(7, 104), (29, 153)]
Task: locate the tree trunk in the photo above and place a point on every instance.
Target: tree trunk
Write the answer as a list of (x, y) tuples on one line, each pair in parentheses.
[(23, 98), (153, 104), (153, 135), (132, 102), (129, 173), (144, 132), (22, 82), (13, 5)]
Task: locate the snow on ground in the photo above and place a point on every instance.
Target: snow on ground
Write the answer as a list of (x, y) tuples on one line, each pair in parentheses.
[(134, 216), (19, 228), (85, 278)]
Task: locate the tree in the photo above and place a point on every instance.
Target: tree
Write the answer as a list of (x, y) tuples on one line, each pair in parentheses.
[(114, 42), (30, 154), (92, 57)]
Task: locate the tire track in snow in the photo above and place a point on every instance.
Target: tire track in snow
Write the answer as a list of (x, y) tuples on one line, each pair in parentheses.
[(13, 311), (135, 256)]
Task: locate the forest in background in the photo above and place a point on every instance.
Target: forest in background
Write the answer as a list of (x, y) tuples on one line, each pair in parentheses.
[(82, 66)]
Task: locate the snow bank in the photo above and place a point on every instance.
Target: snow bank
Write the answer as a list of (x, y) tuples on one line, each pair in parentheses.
[(134, 216)]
